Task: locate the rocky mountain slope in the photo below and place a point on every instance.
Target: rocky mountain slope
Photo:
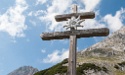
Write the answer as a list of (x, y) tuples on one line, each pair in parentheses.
[(109, 53), (104, 58), (26, 70)]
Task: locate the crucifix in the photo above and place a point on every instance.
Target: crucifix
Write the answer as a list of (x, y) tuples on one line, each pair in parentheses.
[(74, 20)]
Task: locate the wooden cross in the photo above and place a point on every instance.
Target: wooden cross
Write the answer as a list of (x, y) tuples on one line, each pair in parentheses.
[(73, 34)]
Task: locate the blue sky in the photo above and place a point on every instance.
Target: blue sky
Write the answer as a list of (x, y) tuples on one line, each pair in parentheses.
[(22, 22)]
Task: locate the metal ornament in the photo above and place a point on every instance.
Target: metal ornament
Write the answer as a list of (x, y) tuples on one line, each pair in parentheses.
[(73, 23)]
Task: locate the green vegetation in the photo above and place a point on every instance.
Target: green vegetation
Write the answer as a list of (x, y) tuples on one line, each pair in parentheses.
[(122, 64), (118, 68), (99, 59), (101, 51), (63, 69), (105, 69), (55, 69), (90, 66), (118, 65)]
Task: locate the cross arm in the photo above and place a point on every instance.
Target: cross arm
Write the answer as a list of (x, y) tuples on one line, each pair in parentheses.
[(78, 33), (85, 15)]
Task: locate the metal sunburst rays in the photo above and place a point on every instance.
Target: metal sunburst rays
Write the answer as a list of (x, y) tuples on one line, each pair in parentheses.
[(73, 23)]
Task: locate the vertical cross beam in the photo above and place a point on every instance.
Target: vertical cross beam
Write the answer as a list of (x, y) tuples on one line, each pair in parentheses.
[(72, 50), (74, 8), (72, 55)]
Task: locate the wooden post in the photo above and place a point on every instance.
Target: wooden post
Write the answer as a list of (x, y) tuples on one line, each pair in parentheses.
[(72, 55), (72, 49), (74, 8)]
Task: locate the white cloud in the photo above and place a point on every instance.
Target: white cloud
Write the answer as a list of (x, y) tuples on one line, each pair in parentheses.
[(112, 22), (61, 7), (30, 13), (37, 13), (93, 23), (56, 56), (32, 22), (40, 2), (115, 22), (91, 5), (43, 51), (56, 7), (13, 20)]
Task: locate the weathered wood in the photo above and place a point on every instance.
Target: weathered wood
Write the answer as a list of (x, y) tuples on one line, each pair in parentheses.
[(74, 8), (78, 33), (72, 55), (72, 49), (85, 15)]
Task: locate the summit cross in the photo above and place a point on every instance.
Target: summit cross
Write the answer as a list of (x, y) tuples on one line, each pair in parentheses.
[(74, 21)]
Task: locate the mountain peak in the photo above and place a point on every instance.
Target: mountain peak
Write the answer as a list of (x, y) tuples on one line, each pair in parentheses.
[(111, 47), (115, 41), (25, 70)]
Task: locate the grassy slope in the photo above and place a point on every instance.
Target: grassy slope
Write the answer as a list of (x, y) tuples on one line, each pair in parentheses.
[(58, 68), (108, 62), (63, 69)]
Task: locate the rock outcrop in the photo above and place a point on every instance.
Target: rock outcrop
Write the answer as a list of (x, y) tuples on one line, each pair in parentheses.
[(26, 70)]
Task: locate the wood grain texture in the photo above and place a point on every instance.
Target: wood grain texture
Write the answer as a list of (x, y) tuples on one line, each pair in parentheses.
[(72, 55), (78, 33), (85, 15)]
